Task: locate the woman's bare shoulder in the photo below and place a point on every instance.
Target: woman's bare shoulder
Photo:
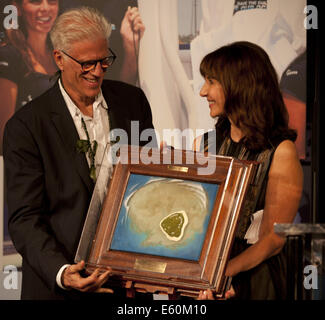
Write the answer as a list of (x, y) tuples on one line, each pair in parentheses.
[(286, 149), (286, 162)]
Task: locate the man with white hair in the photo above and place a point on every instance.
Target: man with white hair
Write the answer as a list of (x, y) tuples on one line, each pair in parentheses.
[(52, 151)]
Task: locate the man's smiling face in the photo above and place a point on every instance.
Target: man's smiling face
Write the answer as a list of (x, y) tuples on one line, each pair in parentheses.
[(83, 86)]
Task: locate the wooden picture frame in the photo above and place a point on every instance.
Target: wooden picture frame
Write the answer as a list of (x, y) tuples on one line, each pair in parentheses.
[(158, 273)]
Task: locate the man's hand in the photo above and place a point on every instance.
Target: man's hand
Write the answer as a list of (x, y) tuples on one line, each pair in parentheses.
[(131, 27), (71, 279)]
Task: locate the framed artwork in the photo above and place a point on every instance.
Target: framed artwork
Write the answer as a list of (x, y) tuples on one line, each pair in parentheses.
[(168, 228)]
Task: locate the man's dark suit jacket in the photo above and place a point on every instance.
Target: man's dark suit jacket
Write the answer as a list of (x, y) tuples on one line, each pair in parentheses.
[(48, 183)]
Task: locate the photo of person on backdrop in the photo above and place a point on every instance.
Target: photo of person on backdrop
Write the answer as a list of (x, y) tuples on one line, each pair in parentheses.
[(242, 89), (26, 62), (293, 84)]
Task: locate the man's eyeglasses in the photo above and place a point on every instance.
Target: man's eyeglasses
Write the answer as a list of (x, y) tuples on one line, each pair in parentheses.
[(87, 66)]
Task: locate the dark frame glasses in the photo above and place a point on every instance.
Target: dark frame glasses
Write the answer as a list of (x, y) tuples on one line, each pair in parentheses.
[(87, 66)]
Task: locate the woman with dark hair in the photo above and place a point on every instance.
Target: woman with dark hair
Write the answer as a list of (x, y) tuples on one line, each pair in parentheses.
[(26, 61), (242, 89)]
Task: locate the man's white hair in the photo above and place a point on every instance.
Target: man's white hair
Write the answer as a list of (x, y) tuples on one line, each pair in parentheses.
[(79, 24)]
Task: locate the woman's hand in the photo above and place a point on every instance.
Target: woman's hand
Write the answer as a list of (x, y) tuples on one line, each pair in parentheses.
[(208, 295), (132, 28)]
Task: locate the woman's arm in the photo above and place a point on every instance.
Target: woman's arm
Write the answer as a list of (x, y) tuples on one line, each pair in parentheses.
[(8, 97), (132, 29), (285, 183)]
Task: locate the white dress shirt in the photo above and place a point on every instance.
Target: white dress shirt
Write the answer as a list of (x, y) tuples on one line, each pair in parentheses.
[(97, 126), (98, 129)]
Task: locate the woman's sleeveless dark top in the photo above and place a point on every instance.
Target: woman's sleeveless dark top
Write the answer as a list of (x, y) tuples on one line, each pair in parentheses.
[(267, 280), (255, 197)]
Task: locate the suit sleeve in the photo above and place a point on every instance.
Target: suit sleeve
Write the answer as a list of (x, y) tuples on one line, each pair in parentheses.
[(29, 215)]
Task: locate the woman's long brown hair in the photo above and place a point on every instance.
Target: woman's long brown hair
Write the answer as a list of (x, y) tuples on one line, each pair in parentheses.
[(253, 98), (18, 39)]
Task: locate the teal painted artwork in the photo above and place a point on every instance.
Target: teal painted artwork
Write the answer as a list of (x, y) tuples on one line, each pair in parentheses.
[(164, 216)]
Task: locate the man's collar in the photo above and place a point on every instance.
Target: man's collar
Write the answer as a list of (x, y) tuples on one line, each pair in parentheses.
[(99, 100)]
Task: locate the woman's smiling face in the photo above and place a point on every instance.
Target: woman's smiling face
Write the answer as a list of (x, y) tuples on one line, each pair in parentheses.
[(39, 15), (212, 90)]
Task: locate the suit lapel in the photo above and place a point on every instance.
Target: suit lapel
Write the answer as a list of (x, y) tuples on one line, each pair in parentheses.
[(67, 131), (118, 119)]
